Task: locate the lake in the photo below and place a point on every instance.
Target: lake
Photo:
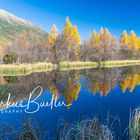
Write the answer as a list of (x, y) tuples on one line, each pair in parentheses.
[(100, 104)]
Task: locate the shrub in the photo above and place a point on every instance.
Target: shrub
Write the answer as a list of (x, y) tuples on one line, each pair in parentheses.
[(9, 58)]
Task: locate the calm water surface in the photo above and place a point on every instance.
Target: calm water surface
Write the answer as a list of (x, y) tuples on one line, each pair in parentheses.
[(109, 94)]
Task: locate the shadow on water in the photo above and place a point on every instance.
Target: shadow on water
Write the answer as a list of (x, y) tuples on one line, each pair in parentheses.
[(67, 85)]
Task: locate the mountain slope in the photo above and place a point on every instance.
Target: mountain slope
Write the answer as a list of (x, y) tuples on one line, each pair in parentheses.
[(12, 26)]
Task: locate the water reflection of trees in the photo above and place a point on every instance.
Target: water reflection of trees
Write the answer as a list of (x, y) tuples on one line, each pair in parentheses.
[(67, 85), (58, 83), (103, 80)]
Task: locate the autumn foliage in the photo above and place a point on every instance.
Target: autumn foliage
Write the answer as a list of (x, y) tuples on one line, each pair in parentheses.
[(131, 40), (67, 46)]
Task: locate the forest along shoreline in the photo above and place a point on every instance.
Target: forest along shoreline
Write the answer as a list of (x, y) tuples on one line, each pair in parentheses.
[(26, 69), (33, 50)]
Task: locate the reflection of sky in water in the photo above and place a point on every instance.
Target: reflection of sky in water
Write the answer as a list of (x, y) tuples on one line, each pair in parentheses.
[(87, 104), (114, 84)]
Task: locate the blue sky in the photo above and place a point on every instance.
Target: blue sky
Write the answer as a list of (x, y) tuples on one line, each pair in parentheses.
[(88, 15)]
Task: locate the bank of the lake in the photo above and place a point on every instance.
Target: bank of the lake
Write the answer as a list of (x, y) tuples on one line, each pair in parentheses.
[(25, 69)]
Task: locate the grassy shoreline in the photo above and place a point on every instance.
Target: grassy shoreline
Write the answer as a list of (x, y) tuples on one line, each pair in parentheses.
[(26, 69)]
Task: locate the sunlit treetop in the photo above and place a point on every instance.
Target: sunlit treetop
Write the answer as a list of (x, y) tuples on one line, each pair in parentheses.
[(68, 23), (95, 36), (71, 35), (105, 35), (124, 38), (53, 35)]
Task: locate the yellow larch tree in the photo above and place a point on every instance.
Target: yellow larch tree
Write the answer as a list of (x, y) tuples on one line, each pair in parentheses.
[(95, 38), (105, 35), (138, 41), (133, 40), (124, 38), (71, 36), (52, 36)]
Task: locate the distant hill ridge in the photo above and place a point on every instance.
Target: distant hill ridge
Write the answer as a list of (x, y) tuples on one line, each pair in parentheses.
[(11, 26)]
